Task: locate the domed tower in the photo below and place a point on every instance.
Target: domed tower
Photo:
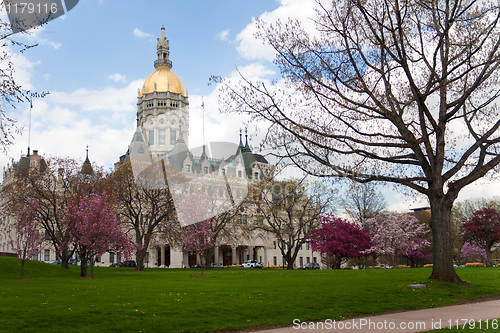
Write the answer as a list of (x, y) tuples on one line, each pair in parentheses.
[(162, 105)]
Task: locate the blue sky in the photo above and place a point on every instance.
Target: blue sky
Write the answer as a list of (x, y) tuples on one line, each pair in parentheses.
[(93, 59)]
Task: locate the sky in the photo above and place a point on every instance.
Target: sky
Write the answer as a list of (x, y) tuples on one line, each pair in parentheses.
[(94, 59)]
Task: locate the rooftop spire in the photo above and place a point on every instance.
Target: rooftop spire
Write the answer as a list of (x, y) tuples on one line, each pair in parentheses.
[(247, 147), (87, 166), (87, 155), (163, 51)]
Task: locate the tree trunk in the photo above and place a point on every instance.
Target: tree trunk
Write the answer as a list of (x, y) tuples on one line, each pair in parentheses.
[(209, 255), (140, 254), (22, 267), (83, 266), (488, 257), (442, 254), (92, 261)]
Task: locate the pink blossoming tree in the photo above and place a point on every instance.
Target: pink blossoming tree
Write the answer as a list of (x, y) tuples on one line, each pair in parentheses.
[(398, 235), (197, 237), (339, 240), (472, 252), (95, 229), (483, 229), (27, 239)]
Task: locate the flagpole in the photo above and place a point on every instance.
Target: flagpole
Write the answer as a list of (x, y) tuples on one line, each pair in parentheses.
[(29, 126), (203, 112)]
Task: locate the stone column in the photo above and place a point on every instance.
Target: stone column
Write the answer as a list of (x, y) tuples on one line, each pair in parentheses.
[(176, 257), (234, 259), (216, 255), (250, 253), (162, 256)]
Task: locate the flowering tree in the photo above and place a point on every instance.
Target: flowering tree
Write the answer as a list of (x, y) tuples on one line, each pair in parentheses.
[(196, 237), (94, 229), (472, 252), (339, 240), (483, 229), (397, 235), (28, 239)]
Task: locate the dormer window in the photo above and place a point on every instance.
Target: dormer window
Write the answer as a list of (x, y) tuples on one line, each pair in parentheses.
[(188, 168)]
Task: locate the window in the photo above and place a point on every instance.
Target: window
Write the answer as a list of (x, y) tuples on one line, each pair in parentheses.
[(162, 140), (315, 260), (205, 170), (119, 258), (146, 258), (46, 255), (98, 259), (188, 168), (151, 137), (274, 245), (239, 173), (300, 247), (307, 246), (255, 220), (301, 261), (173, 136), (308, 260), (256, 175), (112, 258), (35, 257), (223, 172), (275, 261)]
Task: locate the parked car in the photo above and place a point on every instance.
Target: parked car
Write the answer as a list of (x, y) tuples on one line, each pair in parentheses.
[(72, 261), (251, 264), (128, 263), (116, 264), (54, 262), (214, 265), (310, 265)]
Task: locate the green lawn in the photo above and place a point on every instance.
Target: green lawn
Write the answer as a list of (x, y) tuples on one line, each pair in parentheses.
[(169, 300)]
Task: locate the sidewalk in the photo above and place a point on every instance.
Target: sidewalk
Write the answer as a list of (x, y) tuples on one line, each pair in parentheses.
[(410, 321)]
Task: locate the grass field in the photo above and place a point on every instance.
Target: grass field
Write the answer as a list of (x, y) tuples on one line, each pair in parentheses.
[(169, 300)]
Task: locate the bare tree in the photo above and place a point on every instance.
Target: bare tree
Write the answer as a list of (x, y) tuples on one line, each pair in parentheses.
[(404, 92), (290, 210), (142, 210), (362, 201)]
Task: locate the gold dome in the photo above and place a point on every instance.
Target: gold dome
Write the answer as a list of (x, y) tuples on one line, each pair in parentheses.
[(163, 80)]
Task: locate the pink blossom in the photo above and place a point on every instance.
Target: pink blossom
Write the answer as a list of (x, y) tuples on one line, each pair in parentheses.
[(28, 238), (340, 239)]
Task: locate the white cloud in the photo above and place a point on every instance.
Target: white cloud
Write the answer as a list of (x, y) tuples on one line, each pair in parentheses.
[(251, 48), (23, 70), (141, 34), (223, 35), (117, 77), (36, 36)]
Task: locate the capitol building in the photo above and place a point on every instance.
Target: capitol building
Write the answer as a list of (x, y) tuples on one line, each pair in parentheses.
[(163, 134)]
